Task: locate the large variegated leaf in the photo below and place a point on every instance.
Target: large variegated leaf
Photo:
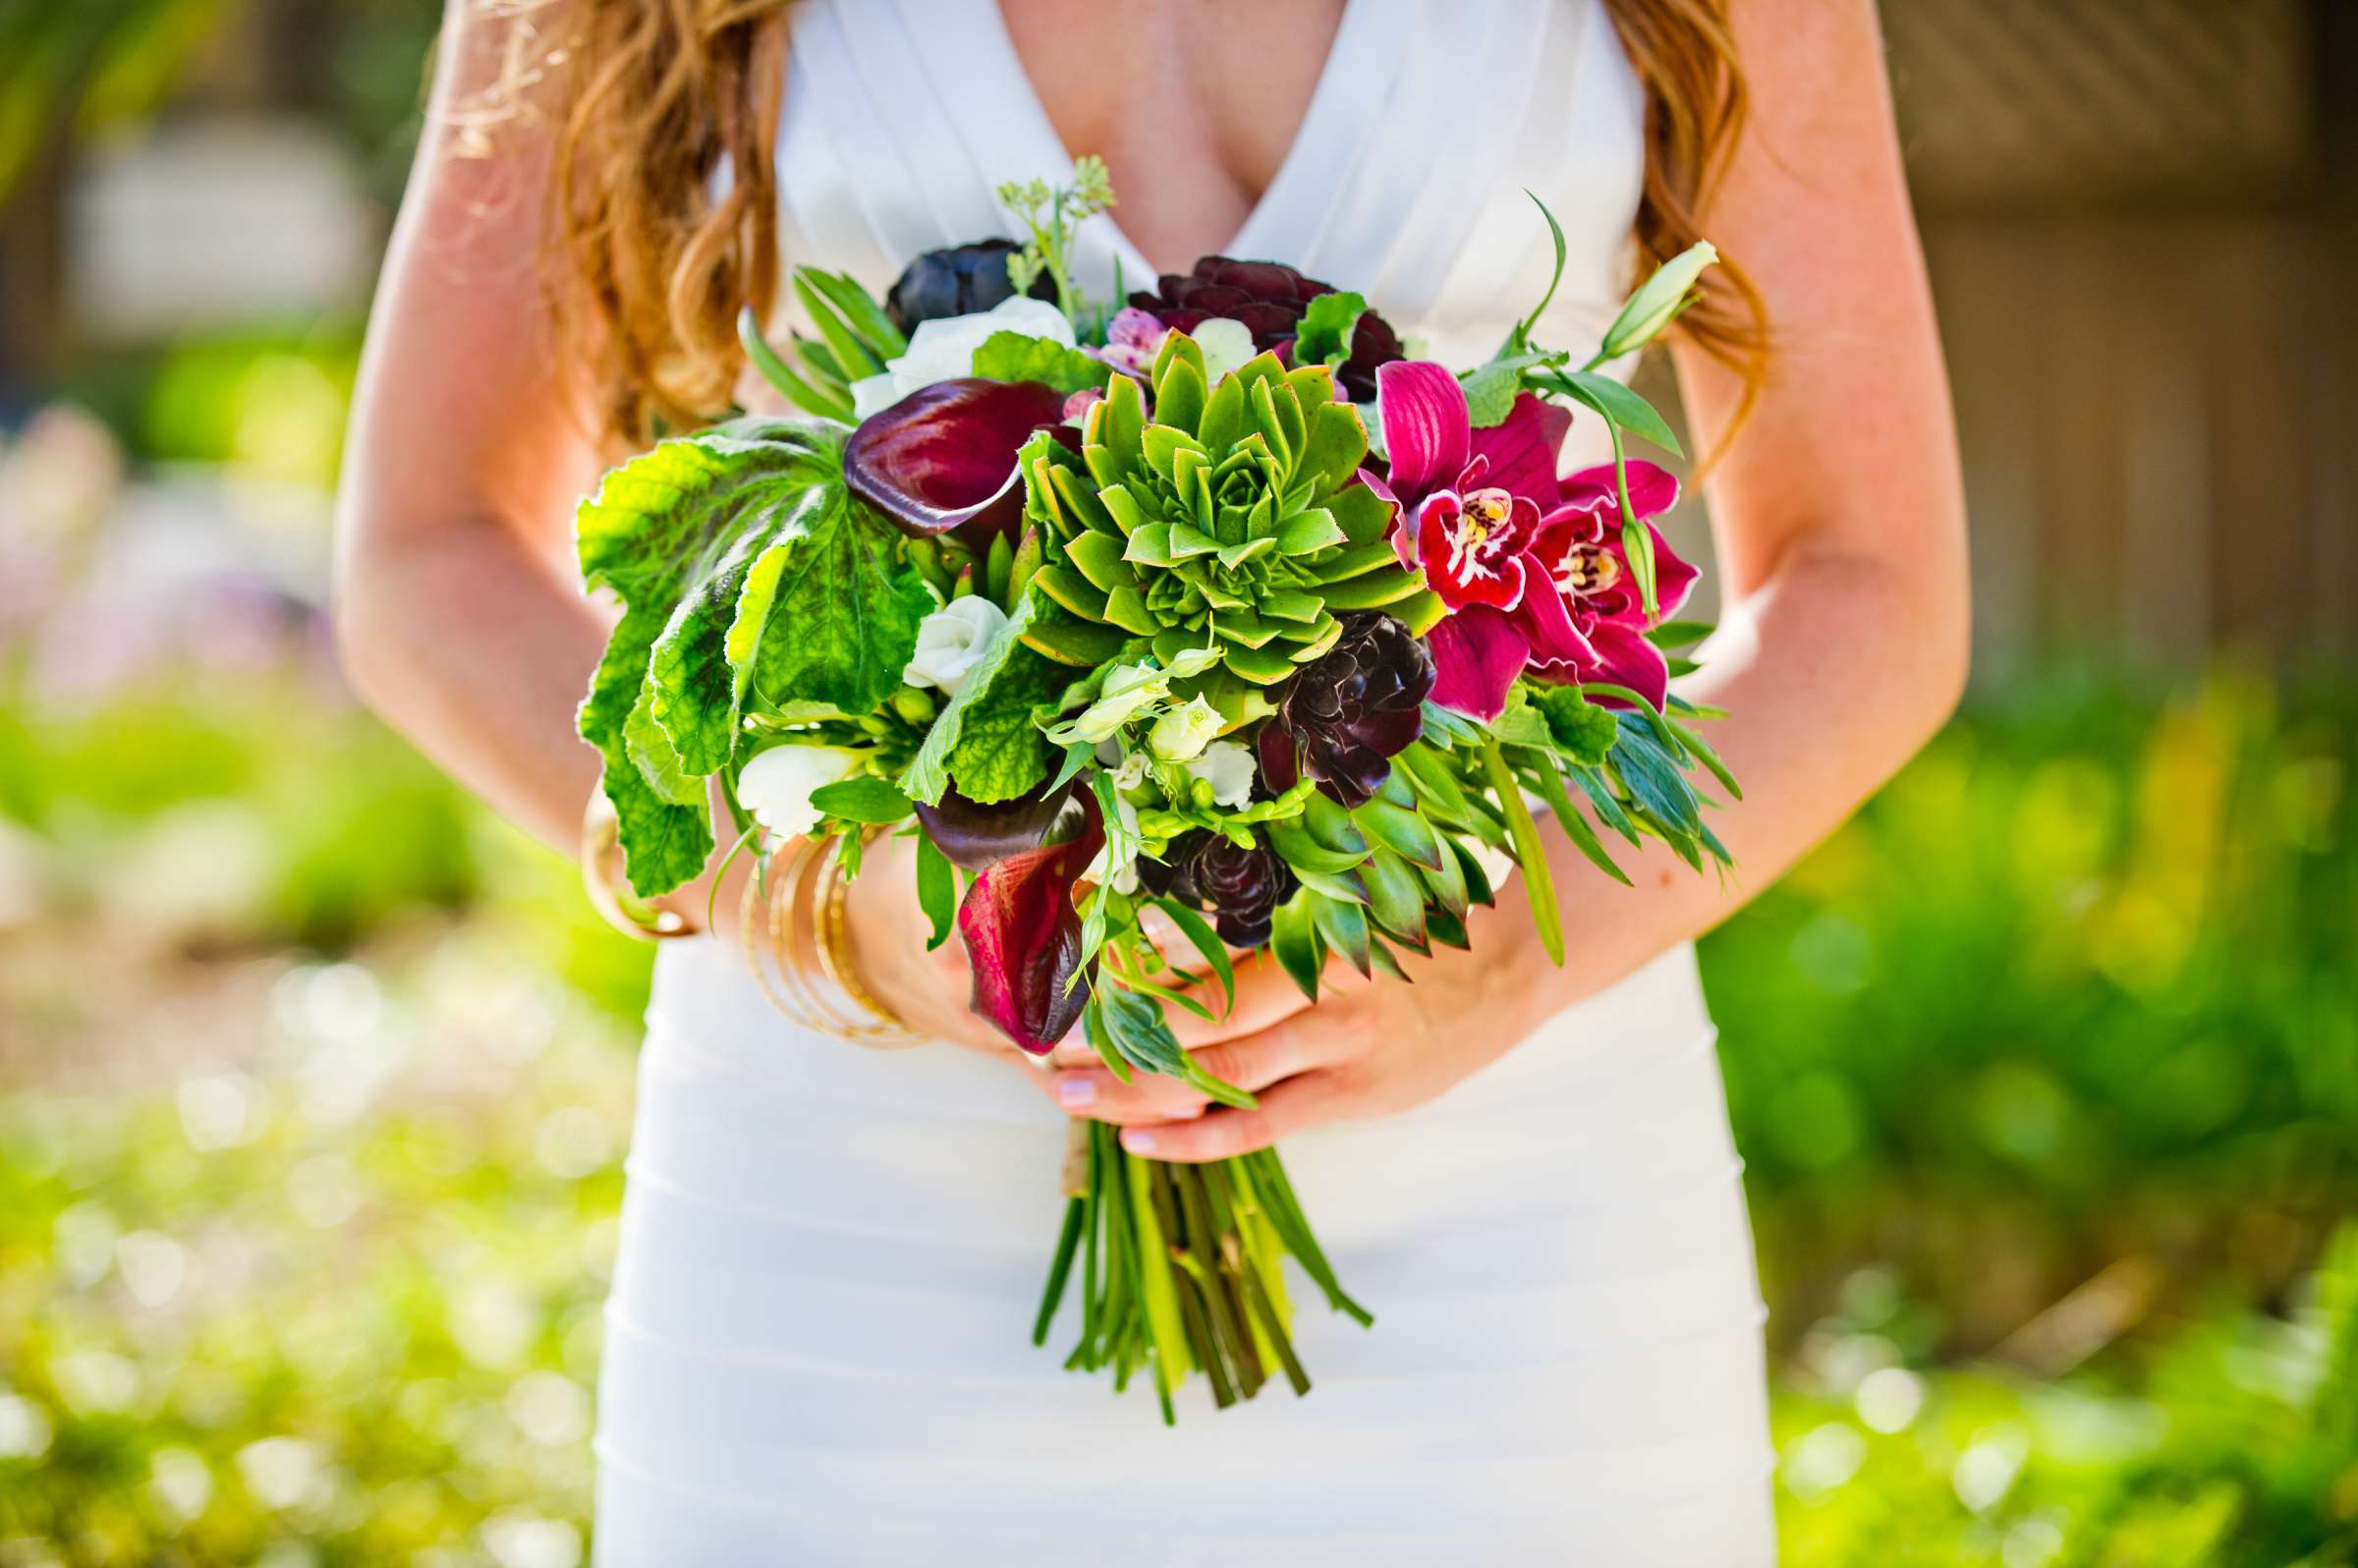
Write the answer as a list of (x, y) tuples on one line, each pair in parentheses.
[(740, 559)]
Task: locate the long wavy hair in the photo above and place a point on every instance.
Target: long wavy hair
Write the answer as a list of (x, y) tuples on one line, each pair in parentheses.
[(652, 256)]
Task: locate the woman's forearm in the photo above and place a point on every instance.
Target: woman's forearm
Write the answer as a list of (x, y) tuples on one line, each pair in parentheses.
[(460, 637), (1833, 673)]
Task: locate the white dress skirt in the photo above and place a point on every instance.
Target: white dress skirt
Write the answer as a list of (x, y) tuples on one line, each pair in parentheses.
[(818, 1341)]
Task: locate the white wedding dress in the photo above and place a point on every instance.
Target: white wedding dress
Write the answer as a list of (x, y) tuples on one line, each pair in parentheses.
[(818, 1346)]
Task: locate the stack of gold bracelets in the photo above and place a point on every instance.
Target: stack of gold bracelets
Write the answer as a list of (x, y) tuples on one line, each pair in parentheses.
[(792, 915)]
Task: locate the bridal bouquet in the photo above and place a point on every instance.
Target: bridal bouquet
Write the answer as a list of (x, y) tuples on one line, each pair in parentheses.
[(1215, 602)]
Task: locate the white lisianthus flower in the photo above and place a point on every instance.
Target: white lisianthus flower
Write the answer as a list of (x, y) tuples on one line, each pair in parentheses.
[(776, 785), (1226, 346), (1181, 735), (1122, 878), (950, 643), (1228, 768), (1127, 689), (943, 349)]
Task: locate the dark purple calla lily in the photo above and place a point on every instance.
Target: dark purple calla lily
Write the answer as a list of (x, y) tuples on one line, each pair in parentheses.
[(974, 836), (1532, 566), (1023, 938), (943, 457)]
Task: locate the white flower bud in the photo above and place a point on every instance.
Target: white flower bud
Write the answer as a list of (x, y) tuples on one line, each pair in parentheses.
[(951, 642), (1228, 768), (1181, 735), (1658, 302), (776, 785)]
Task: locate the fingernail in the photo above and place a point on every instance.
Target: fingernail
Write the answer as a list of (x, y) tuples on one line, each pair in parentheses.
[(1138, 1143), (1076, 1091)]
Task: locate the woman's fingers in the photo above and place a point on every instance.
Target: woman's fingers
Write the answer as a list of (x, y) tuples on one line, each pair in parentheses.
[(1253, 1065), (1265, 998), (1224, 1132)]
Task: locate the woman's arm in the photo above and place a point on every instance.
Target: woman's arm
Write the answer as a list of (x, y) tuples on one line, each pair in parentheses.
[(1840, 518), (457, 611)]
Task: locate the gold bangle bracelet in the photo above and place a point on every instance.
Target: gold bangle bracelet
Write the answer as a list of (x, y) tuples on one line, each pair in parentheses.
[(602, 880), (762, 920), (835, 949)]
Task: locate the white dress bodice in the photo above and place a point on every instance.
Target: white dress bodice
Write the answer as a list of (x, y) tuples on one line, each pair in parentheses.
[(903, 116)]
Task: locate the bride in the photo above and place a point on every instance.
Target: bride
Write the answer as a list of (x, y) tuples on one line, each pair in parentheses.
[(816, 1345)]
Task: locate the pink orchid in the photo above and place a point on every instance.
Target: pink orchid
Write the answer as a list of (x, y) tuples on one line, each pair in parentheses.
[(1531, 567)]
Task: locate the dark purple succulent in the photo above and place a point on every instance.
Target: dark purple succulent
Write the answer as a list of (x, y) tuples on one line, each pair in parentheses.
[(1269, 298), (958, 281), (1346, 714), (1241, 885)]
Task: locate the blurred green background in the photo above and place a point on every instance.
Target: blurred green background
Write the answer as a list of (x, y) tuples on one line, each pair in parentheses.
[(315, 1080)]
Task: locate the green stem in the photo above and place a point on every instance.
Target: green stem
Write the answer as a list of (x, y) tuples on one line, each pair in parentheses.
[(1209, 1243), (1076, 1213), (1191, 1306)]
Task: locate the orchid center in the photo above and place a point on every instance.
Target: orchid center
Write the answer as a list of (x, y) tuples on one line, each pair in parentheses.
[(1587, 570), (1478, 534)]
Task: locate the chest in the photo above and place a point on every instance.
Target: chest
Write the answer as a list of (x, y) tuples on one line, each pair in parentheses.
[(1384, 145), (1193, 104)]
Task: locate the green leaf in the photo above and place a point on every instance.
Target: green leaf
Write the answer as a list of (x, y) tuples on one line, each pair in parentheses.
[(937, 890), (1402, 831), (1620, 404), (1324, 336), (1000, 751), (1519, 723), (1529, 854), (675, 533), (1293, 937), (1653, 779), (827, 403), (1490, 388), (1198, 930), (1138, 1029), (779, 504), (1680, 634), (1490, 392), (1021, 357), (859, 309), (1580, 729), (1708, 757), (927, 775), (1296, 846), (845, 614), (1344, 926), (658, 762), (1395, 895), (855, 359), (865, 800)]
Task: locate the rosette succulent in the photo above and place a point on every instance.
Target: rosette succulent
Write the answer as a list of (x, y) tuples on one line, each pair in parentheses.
[(1270, 299), (1349, 712), (1241, 885), (1231, 529)]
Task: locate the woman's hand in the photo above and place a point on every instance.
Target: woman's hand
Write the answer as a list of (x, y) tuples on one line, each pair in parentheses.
[(1370, 1048), (930, 991)]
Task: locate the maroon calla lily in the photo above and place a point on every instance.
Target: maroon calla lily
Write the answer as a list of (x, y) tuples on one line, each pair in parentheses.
[(943, 457), (974, 836), (1532, 566), (1023, 938)]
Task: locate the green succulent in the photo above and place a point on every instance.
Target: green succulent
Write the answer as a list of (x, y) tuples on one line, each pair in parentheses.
[(1234, 520)]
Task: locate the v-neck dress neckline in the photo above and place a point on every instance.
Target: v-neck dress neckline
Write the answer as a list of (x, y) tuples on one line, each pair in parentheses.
[(1328, 137)]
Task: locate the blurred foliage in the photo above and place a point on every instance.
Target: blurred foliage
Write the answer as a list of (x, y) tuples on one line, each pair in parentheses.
[(88, 66), (314, 1085), (2078, 984), (73, 72)]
